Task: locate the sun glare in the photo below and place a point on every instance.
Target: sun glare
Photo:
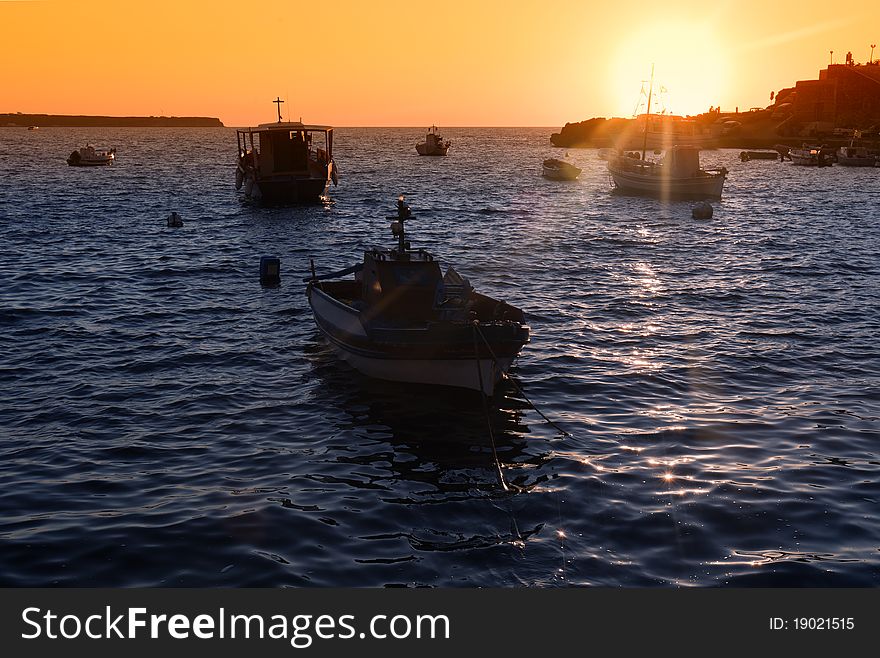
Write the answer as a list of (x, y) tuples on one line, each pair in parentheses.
[(689, 69)]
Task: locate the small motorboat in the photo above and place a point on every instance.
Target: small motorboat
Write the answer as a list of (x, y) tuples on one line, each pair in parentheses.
[(33, 127), (399, 319), (433, 144), (89, 156), (556, 169), (810, 156)]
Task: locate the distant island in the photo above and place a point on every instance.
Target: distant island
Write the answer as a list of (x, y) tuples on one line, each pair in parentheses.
[(81, 121), (842, 104)]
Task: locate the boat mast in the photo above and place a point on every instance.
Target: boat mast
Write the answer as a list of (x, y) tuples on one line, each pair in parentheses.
[(648, 113), (278, 102)]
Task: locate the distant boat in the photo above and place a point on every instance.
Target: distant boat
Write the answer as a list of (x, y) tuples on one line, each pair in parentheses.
[(555, 169), (33, 127), (809, 156), (399, 319), (608, 153), (433, 144), (745, 156), (89, 156), (279, 163), (855, 156)]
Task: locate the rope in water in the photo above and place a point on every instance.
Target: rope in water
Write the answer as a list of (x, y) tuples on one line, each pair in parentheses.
[(486, 410), (477, 330)]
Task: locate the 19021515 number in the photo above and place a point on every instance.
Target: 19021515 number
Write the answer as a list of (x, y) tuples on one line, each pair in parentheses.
[(824, 623)]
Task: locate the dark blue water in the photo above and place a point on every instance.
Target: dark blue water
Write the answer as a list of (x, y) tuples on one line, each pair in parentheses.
[(166, 421)]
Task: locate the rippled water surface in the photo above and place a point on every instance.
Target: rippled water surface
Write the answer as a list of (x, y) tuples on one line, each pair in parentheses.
[(164, 420)]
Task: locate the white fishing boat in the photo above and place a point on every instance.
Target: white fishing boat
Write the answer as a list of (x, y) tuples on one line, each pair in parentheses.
[(398, 319), (434, 144), (678, 174), (556, 169), (282, 162), (89, 156)]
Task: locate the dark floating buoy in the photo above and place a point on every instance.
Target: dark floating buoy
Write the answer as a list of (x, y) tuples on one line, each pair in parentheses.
[(175, 220), (703, 210), (270, 271)]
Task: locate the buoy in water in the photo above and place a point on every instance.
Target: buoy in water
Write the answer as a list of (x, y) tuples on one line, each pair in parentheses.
[(270, 271), (703, 210), (174, 220)]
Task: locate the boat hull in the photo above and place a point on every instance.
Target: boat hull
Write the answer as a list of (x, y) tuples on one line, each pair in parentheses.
[(667, 186), (278, 191), (424, 149), (412, 355)]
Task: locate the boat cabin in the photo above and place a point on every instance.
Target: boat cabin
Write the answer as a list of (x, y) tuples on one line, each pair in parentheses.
[(399, 287), (289, 148)]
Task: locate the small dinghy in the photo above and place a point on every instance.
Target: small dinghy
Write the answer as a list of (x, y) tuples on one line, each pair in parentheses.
[(556, 169), (399, 319)]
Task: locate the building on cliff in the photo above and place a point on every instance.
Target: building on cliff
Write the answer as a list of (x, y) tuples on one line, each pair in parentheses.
[(845, 95)]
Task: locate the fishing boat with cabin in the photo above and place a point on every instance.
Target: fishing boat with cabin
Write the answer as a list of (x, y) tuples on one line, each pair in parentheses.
[(677, 175), (282, 162), (434, 144), (399, 319)]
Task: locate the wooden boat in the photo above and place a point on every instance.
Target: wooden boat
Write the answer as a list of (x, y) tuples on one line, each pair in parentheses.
[(398, 319), (282, 162), (89, 156), (433, 144), (678, 175), (556, 169)]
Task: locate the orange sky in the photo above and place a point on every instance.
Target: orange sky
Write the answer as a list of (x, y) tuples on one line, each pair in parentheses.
[(412, 63)]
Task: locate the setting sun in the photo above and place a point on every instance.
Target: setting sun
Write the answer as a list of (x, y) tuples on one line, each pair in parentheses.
[(690, 69)]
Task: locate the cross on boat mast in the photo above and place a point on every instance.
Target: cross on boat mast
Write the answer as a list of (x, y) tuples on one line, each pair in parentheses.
[(278, 102)]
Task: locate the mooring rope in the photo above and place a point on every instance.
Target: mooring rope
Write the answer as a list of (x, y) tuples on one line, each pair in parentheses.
[(486, 411), (516, 384)]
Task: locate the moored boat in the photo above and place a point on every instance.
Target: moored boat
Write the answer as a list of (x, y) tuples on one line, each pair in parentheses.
[(810, 156), (746, 156), (855, 156), (434, 144), (89, 156), (679, 174), (556, 169), (399, 319), (282, 162)]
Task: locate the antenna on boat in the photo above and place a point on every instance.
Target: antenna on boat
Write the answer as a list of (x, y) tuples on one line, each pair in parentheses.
[(648, 114), (278, 102), (397, 228)]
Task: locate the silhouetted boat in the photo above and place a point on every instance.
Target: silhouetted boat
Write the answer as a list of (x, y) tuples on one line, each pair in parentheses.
[(433, 144), (33, 127), (279, 163), (89, 156), (556, 169), (399, 319)]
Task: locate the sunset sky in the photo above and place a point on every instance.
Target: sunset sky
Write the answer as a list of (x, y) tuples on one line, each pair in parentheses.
[(412, 63)]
